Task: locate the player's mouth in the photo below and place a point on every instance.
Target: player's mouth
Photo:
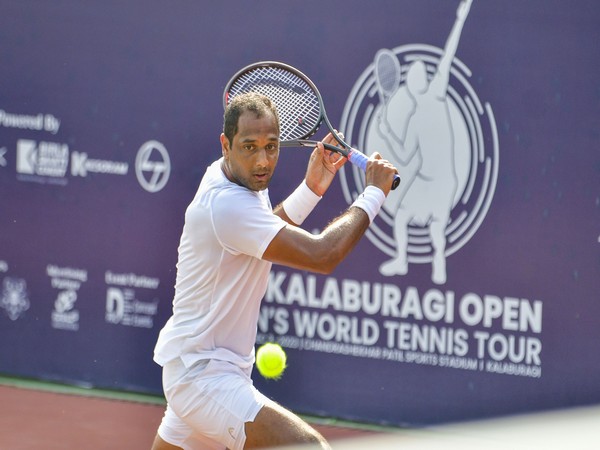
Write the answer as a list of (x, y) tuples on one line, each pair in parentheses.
[(262, 177)]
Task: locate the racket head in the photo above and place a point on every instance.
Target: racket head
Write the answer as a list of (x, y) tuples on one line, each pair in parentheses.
[(388, 73), (299, 103)]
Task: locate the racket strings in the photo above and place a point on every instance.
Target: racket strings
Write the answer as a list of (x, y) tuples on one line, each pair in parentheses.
[(301, 113), (297, 104)]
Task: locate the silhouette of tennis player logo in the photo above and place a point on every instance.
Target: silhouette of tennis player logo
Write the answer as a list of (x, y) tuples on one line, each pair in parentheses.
[(431, 130)]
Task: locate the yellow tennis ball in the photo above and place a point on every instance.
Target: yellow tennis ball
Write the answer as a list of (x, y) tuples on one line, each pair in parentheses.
[(271, 360)]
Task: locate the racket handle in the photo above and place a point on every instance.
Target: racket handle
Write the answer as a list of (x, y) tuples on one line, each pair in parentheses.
[(360, 160)]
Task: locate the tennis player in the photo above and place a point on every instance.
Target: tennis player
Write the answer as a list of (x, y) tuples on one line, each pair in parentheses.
[(230, 239)]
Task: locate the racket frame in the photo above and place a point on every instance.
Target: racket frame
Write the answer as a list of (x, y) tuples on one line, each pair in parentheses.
[(354, 156)]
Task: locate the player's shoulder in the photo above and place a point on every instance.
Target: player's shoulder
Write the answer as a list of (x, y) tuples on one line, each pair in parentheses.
[(215, 185), (231, 195)]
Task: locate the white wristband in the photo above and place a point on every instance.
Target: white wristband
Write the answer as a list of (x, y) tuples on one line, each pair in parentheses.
[(300, 203), (370, 201)]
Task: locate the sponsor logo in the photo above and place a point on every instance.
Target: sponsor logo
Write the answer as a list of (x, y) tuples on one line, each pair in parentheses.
[(81, 164), (68, 281), (14, 297), (152, 166), (45, 159), (64, 316), (122, 305)]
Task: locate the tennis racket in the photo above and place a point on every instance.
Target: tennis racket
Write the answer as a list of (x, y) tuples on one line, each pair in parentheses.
[(299, 104)]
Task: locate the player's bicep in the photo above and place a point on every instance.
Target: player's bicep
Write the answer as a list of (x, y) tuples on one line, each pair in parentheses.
[(296, 248)]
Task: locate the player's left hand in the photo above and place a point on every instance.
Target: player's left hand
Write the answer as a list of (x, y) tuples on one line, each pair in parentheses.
[(323, 165)]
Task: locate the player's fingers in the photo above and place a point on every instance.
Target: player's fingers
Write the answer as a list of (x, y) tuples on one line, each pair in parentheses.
[(338, 138), (328, 140), (327, 154), (318, 150), (376, 156), (331, 138), (337, 159)]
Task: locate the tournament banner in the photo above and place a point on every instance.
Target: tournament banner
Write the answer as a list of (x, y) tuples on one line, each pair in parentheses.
[(474, 293)]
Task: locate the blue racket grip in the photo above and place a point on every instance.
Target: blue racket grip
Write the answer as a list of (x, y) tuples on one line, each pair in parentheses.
[(360, 160)]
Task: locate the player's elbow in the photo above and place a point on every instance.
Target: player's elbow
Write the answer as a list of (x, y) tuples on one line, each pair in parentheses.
[(323, 270), (326, 260)]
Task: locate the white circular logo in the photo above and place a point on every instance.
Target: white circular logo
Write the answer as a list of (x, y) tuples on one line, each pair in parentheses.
[(427, 120), (152, 166)]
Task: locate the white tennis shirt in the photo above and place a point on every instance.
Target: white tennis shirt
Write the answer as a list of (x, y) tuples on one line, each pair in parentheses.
[(221, 278)]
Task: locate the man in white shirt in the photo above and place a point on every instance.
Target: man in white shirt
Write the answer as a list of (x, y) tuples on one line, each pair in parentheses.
[(230, 239)]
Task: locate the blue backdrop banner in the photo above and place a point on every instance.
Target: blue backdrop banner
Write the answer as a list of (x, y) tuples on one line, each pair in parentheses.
[(475, 292)]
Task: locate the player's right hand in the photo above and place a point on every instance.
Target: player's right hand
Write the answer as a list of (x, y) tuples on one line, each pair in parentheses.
[(380, 173)]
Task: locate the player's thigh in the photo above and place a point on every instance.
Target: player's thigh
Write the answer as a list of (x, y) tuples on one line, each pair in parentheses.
[(276, 426), (160, 444)]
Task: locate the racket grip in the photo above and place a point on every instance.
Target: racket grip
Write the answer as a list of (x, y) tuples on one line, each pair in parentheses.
[(360, 160)]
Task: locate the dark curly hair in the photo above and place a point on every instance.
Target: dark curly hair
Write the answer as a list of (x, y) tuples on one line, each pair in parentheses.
[(257, 103)]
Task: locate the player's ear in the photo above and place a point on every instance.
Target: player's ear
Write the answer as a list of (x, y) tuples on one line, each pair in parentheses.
[(225, 145)]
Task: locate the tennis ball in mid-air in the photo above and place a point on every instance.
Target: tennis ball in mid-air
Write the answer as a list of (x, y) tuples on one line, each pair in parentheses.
[(270, 360)]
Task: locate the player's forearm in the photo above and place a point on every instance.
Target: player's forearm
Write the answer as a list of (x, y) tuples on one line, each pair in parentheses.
[(342, 235), (298, 205), (297, 248), (338, 239), (279, 211), (322, 253)]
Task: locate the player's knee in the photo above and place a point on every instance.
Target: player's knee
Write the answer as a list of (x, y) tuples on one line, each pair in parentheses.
[(275, 425)]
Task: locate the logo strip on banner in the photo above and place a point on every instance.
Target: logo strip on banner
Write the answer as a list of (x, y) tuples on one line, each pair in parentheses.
[(47, 162)]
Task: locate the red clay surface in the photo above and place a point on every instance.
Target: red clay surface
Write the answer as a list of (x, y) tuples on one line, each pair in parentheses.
[(34, 420)]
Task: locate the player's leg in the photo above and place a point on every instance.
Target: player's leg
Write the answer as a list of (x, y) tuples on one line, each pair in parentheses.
[(185, 415), (276, 426), (215, 405), (160, 444), (175, 433)]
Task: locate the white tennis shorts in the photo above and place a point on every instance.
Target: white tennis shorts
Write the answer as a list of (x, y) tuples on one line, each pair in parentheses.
[(208, 405)]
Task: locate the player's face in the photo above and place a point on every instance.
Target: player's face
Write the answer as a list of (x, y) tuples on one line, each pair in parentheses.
[(251, 158)]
